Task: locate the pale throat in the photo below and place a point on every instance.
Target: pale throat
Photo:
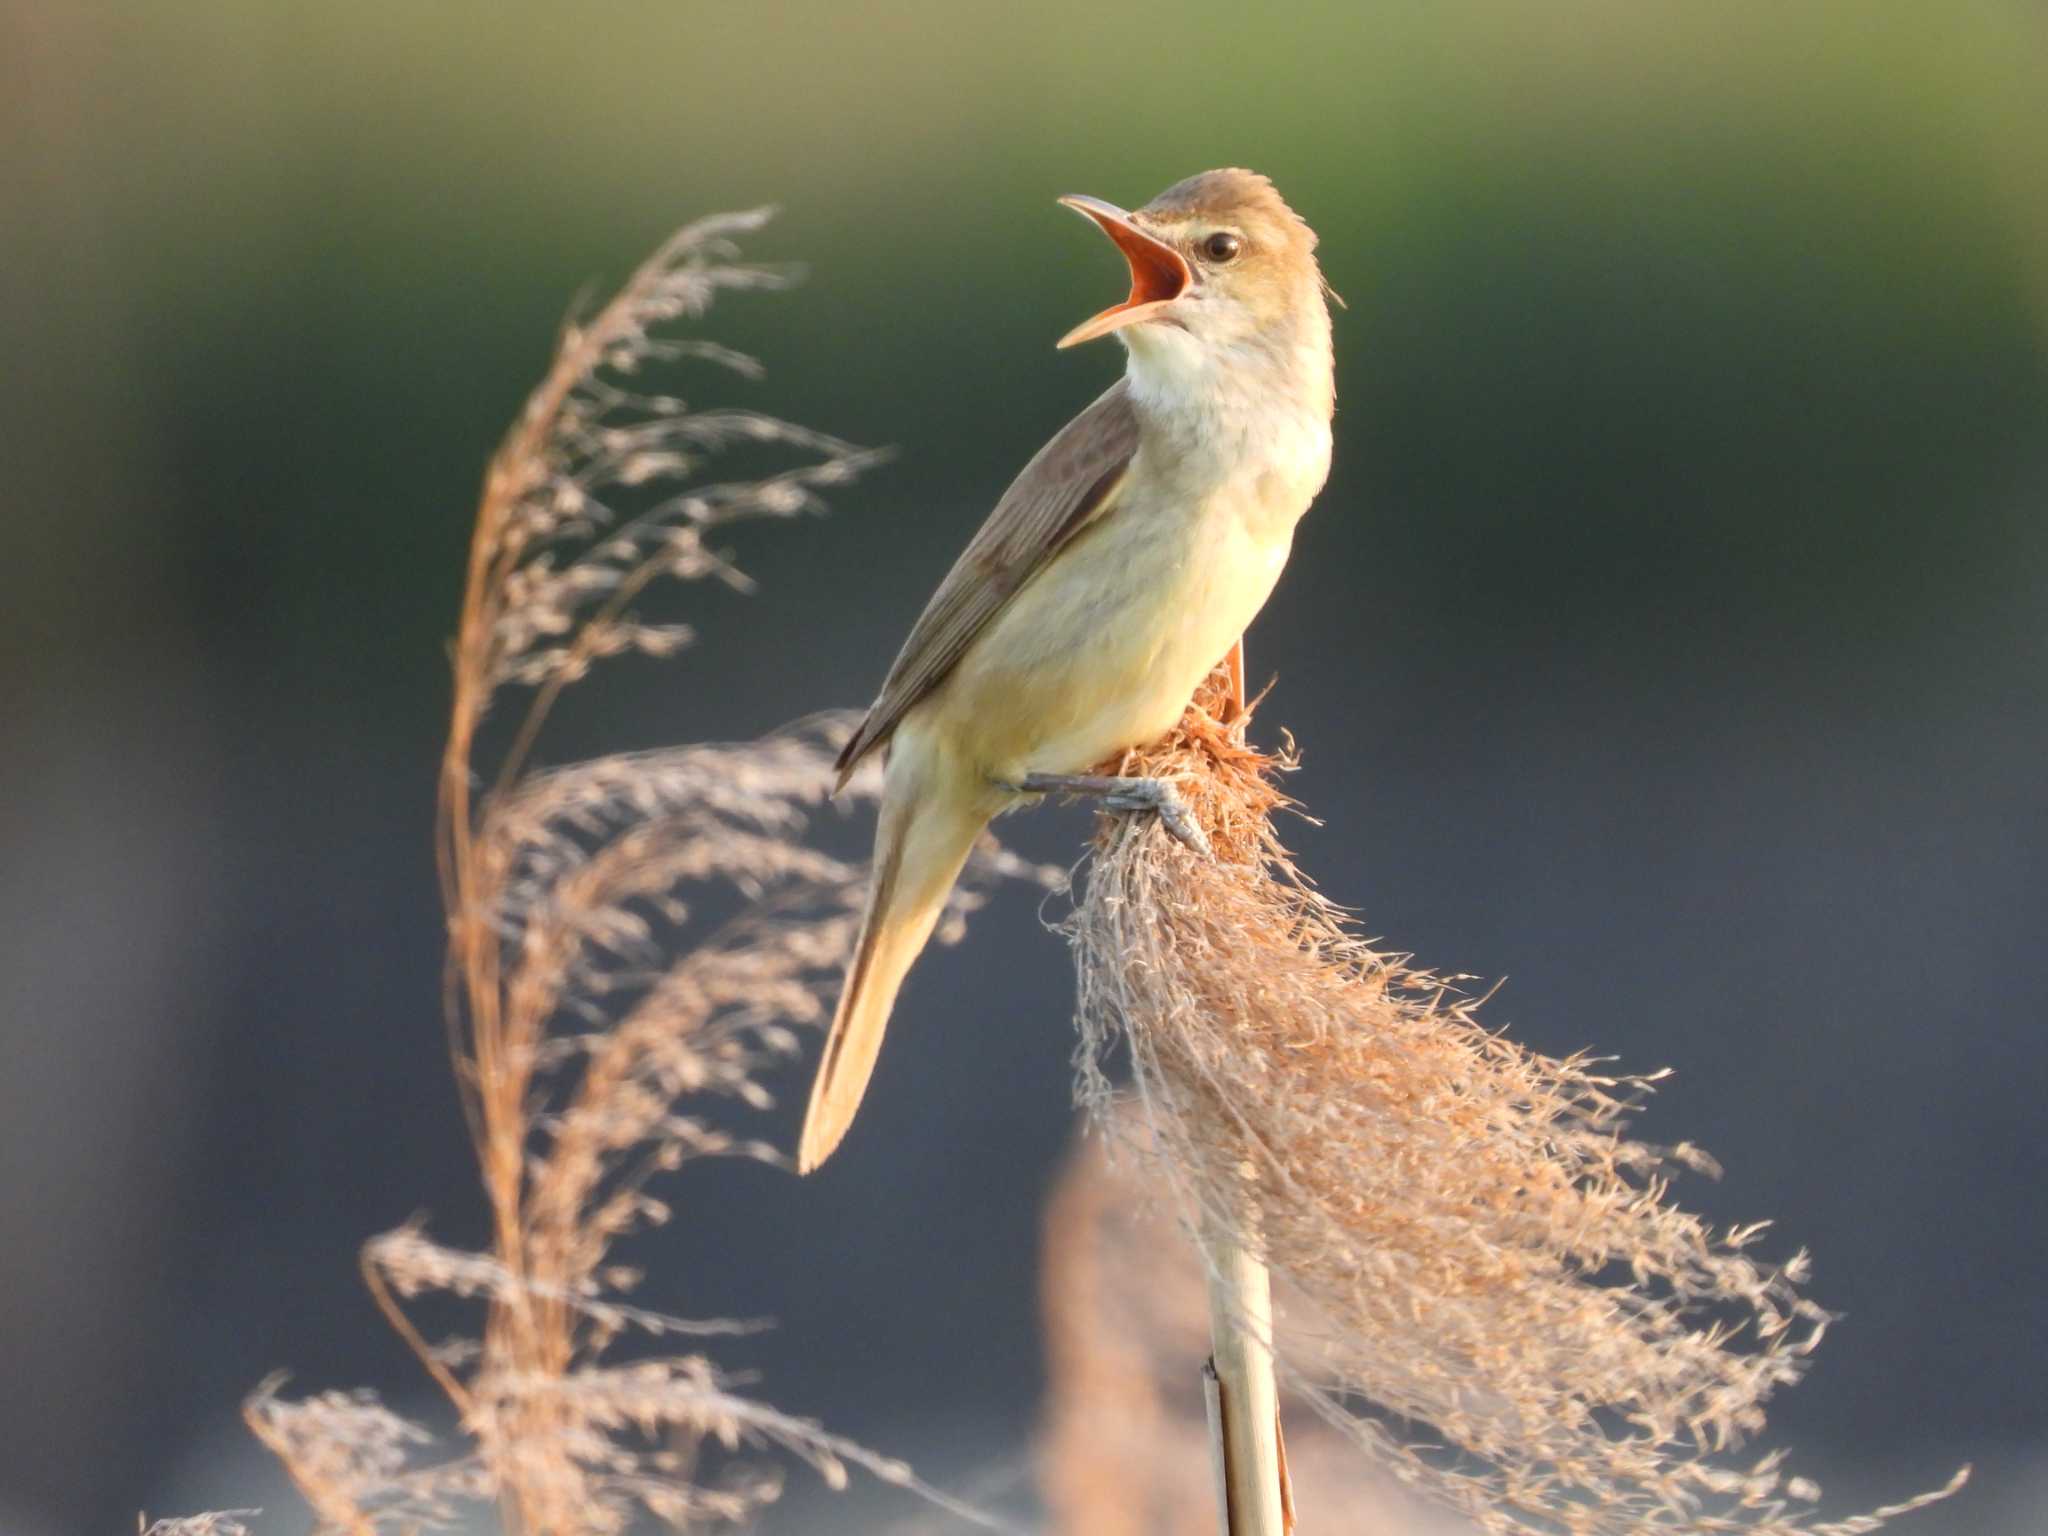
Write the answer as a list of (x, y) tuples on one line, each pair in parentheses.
[(1265, 387)]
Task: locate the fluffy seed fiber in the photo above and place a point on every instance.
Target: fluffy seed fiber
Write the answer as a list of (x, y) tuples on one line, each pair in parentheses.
[(1483, 1280)]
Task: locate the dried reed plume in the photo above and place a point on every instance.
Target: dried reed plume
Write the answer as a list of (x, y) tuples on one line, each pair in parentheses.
[(587, 1000), (1465, 1243)]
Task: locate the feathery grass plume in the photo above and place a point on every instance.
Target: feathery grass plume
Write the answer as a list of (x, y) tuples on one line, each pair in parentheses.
[(1465, 1242), (588, 1001)]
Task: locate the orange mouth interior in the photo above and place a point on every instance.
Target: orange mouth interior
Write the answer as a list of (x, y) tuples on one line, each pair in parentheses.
[(1158, 275)]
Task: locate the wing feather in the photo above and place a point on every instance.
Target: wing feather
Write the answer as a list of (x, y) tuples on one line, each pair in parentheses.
[(1070, 482)]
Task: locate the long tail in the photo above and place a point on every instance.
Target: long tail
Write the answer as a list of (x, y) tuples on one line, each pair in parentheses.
[(928, 824)]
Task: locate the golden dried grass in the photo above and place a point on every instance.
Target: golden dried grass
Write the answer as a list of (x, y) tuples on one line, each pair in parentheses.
[(632, 941)]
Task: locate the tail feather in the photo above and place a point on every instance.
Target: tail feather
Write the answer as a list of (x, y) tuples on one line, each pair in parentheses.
[(926, 831)]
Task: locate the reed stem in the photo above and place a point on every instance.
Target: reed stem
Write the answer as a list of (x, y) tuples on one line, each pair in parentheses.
[(1243, 1396), (1240, 1338)]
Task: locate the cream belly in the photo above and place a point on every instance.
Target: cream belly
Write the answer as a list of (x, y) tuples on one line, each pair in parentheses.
[(1103, 648)]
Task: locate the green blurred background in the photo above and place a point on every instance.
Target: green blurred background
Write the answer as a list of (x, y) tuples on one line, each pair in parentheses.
[(1670, 635)]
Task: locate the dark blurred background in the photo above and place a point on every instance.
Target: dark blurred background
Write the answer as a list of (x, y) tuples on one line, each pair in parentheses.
[(1669, 639)]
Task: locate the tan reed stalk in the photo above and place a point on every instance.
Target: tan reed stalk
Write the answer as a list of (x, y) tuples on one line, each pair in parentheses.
[(1127, 1449), (1255, 1499)]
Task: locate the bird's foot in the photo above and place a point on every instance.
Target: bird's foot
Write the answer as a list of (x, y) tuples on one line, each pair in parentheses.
[(1122, 794)]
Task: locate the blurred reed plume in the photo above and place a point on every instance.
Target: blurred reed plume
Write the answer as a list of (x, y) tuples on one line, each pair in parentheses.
[(631, 940), (1466, 1245), (1125, 1447), (215, 1522)]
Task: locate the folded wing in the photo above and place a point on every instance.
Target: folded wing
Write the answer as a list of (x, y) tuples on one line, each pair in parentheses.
[(1072, 481)]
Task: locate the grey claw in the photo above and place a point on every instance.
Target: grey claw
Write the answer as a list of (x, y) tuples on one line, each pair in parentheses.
[(1117, 794), (1183, 826), (1158, 796)]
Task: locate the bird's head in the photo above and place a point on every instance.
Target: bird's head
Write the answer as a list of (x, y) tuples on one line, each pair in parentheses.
[(1219, 265)]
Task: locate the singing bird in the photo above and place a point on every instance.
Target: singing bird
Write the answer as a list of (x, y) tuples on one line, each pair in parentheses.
[(1115, 573)]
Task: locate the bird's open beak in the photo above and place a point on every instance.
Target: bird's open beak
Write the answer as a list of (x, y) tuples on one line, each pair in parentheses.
[(1158, 274)]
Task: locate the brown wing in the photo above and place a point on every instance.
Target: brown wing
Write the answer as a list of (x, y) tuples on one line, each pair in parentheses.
[(1070, 483)]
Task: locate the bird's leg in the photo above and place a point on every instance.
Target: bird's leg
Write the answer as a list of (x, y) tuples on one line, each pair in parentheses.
[(1121, 794)]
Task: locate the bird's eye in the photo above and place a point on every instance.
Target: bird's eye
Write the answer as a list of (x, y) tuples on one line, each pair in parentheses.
[(1222, 246)]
